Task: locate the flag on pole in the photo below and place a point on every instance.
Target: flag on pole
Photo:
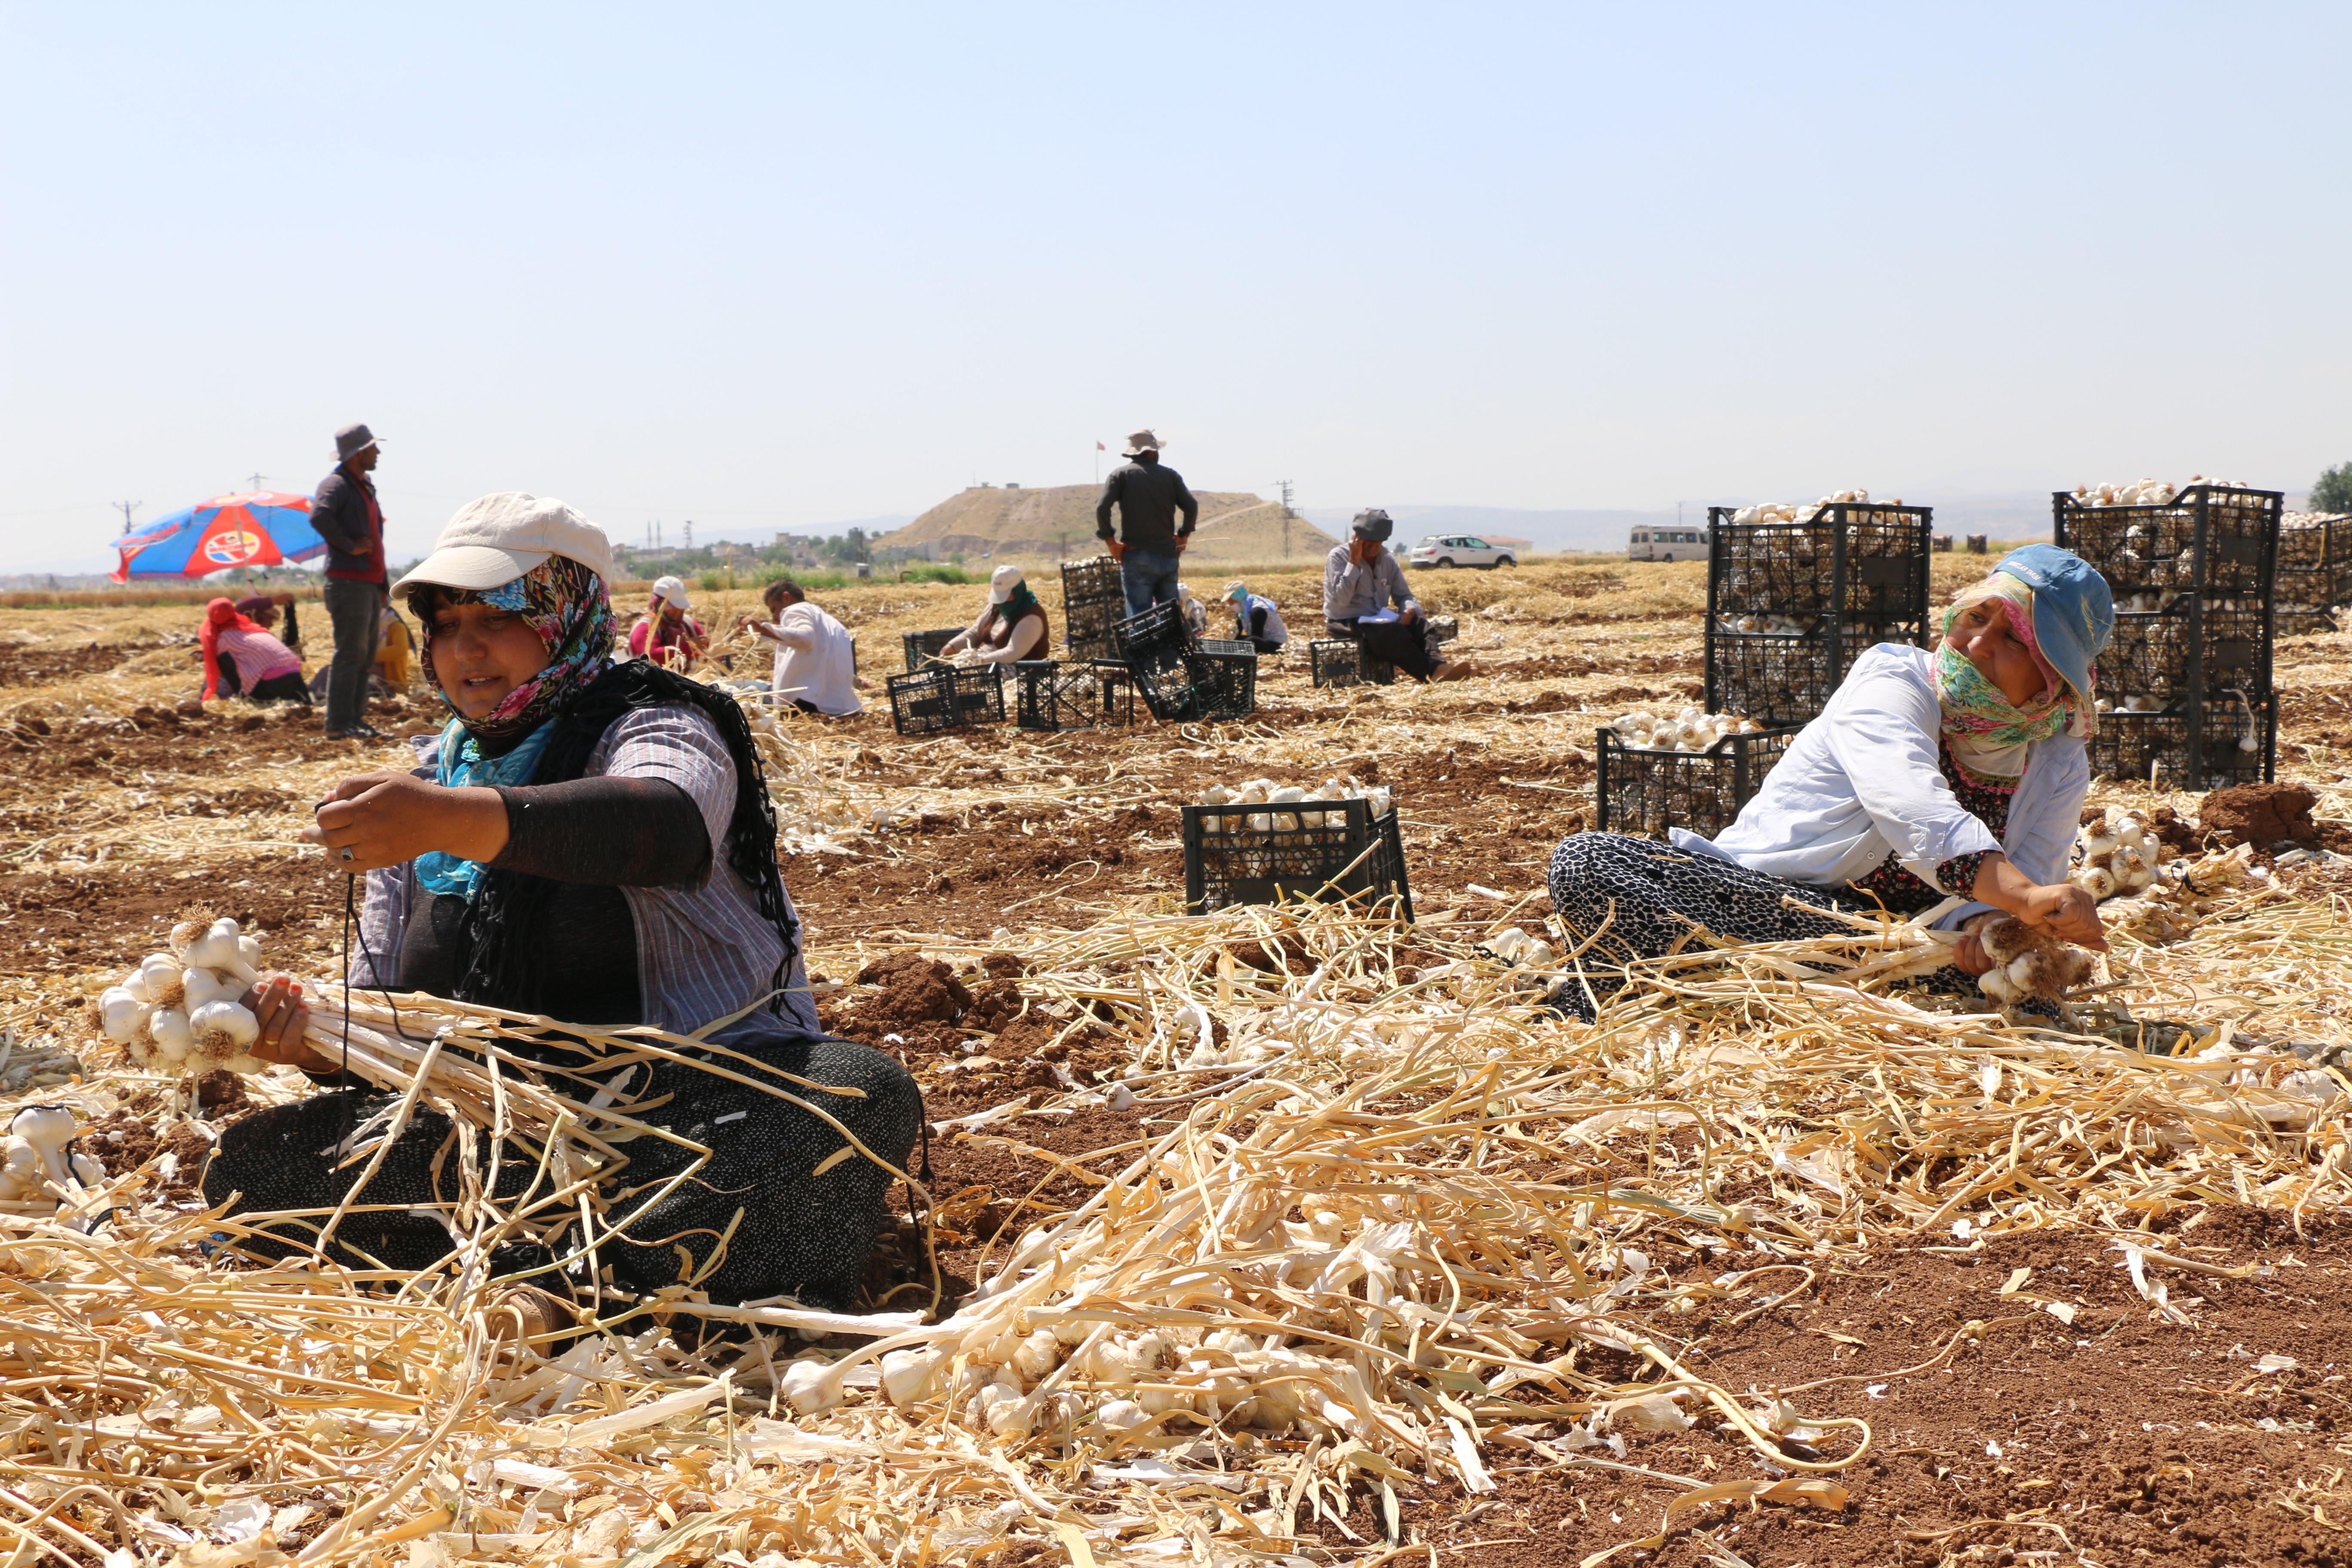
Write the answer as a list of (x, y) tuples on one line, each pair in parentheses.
[(1100, 447)]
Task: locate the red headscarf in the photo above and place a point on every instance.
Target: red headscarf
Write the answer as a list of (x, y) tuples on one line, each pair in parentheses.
[(220, 615)]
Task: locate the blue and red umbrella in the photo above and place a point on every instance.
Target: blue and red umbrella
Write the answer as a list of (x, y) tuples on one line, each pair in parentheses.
[(259, 528)]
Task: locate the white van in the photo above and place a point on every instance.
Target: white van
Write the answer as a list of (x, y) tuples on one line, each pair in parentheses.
[(1667, 544)]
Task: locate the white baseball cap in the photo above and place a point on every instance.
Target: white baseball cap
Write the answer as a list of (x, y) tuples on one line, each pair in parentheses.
[(1002, 581), (672, 591), (498, 538)]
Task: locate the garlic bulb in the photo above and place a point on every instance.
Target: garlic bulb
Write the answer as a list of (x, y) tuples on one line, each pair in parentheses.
[(120, 1014), (1689, 731), (184, 1013)]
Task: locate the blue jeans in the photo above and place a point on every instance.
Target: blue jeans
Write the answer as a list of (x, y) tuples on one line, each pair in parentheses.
[(1148, 578)]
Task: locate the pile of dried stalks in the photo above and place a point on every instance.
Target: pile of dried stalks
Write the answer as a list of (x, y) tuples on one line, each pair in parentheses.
[(1400, 1222)]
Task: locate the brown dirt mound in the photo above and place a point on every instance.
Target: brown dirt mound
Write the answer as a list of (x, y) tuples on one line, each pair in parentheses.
[(2260, 815)]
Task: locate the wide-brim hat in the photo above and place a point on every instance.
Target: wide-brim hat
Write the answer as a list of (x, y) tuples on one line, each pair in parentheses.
[(1139, 442), (2073, 609), (351, 440), (495, 540)]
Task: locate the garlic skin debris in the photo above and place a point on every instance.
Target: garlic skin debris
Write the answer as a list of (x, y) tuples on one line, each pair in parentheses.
[(180, 1012)]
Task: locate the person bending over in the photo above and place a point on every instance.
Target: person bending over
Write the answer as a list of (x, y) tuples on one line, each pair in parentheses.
[(1010, 626), (1256, 617), (817, 661), (666, 634), (593, 842), (1957, 772), (241, 659), (1361, 581)]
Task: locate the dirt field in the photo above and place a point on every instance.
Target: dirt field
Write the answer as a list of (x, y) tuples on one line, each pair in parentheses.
[(2029, 1402)]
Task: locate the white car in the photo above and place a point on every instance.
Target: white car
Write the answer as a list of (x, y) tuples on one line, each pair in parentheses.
[(1459, 550)]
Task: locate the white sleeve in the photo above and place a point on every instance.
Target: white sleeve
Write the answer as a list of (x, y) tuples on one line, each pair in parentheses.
[(1882, 728), (682, 745), (801, 636)]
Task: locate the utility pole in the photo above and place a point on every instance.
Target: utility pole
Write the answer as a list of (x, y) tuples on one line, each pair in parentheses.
[(689, 533), (126, 508), (1286, 515), (256, 479)]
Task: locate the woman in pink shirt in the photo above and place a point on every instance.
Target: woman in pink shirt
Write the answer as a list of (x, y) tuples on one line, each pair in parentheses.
[(243, 660), (666, 634)]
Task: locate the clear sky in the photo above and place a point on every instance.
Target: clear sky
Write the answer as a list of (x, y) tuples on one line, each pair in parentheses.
[(778, 266)]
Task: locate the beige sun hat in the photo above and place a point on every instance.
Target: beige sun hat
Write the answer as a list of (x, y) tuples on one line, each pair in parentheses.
[(498, 538), (1141, 441)]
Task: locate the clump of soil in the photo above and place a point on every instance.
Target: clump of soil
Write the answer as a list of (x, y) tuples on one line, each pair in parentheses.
[(2260, 815), (1001, 965), (917, 992)]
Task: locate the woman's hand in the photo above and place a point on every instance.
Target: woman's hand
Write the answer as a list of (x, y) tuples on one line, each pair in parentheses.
[(277, 1004), (1968, 955), (2067, 913), (375, 820)]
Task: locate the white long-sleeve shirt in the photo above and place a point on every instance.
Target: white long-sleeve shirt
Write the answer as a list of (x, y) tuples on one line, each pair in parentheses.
[(1862, 783), (814, 662)]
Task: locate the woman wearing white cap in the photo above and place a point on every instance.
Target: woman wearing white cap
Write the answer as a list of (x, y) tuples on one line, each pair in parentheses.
[(1012, 624), (592, 841), (666, 634)]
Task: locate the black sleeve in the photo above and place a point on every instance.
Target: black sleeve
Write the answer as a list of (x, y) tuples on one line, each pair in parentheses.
[(1257, 620), (1102, 507), (329, 514), (1184, 501), (605, 832)]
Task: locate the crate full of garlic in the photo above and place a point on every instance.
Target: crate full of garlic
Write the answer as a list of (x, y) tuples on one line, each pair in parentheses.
[(2167, 642), (2314, 572), (1262, 842), (1689, 769), (2226, 737), (1796, 591), (2206, 535)]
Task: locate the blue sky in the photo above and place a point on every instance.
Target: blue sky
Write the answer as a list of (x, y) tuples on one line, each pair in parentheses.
[(775, 267)]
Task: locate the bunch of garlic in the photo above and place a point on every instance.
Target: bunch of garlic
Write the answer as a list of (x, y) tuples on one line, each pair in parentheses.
[(180, 1012), (2184, 893), (1265, 792), (1766, 625), (1515, 946), (40, 1171), (2029, 963), (1803, 511), (1688, 730), (2146, 492), (2118, 861)]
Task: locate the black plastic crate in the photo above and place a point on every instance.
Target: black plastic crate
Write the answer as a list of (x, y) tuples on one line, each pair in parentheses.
[(1788, 678), (1097, 578), (1157, 634), (1198, 685), (1073, 695), (921, 648), (1443, 629), (2209, 538), (1790, 605), (1228, 645), (1335, 661), (2166, 646), (1227, 860), (2176, 751), (1647, 791), (946, 697), (2314, 572)]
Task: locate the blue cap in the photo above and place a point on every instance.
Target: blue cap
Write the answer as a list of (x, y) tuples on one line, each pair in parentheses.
[(2073, 611)]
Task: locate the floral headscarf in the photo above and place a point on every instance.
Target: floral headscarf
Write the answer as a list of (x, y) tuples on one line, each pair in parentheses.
[(1988, 734), (566, 604)]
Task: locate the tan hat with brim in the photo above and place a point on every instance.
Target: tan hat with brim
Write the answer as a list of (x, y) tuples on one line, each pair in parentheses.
[(495, 540)]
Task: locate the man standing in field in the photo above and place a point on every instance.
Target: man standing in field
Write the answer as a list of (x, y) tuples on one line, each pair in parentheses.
[(1148, 494), (347, 517)]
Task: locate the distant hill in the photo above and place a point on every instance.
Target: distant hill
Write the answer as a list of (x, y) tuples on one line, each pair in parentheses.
[(1059, 522)]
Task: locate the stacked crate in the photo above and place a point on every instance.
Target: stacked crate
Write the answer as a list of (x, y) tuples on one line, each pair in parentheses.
[(2186, 680), (2314, 572), (1790, 607), (1093, 602)]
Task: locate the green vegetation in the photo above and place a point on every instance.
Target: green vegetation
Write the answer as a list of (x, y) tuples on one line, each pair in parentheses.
[(2334, 490)]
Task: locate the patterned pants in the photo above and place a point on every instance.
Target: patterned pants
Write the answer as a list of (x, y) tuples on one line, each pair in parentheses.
[(1650, 896)]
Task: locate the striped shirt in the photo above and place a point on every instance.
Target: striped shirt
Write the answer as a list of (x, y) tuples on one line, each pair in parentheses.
[(703, 950)]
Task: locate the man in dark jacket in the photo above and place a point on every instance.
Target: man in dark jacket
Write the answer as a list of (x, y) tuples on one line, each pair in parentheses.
[(1148, 495), (347, 517)]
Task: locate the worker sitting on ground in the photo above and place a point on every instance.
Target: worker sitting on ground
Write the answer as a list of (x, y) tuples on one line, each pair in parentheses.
[(1196, 613), (241, 659), (593, 841), (1012, 626), (816, 662), (666, 634), (1257, 618), (1361, 581), (1959, 772)]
